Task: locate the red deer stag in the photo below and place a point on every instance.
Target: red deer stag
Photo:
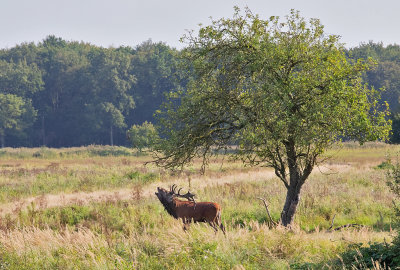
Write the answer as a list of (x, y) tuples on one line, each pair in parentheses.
[(190, 210)]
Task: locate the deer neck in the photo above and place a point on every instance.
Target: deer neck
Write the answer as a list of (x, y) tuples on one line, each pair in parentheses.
[(176, 202)]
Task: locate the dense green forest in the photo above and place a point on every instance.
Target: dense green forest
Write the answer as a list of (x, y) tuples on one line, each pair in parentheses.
[(61, 93)]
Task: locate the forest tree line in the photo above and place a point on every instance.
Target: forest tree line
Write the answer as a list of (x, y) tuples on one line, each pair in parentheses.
[(61, 93)]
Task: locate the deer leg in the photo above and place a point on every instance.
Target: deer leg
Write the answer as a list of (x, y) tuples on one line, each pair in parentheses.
[(213, 225), (184, 224), (222, 228), (219, 223)]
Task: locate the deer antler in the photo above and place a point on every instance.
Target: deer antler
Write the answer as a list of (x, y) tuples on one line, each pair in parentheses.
[(188, 195), (172, 188)]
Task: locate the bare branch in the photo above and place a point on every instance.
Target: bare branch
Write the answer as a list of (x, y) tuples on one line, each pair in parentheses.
[(273, 223), (350, 225), (333, 219)]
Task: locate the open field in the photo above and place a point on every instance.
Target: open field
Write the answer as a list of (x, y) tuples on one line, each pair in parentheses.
[(95, 208)]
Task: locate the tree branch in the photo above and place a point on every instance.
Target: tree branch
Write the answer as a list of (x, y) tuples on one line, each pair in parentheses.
[(273, 223)]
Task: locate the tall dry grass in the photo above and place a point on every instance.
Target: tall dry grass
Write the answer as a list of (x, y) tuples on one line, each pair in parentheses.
[(123, 226)]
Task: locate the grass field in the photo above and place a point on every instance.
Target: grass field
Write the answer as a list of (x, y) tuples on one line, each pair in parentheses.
[(94, 208)]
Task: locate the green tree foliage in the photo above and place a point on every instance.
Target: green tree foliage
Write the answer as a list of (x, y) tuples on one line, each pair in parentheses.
[(84, 94), (155, 68), (111, 84), (16, 114), (18, 83), (282, 91), (20, 78), (90, 94), (387, 72), (62, 105), (142, 136), (385, 75)]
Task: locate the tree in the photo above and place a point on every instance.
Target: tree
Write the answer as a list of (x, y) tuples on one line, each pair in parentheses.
[(386, 74), (141, 136), (18, 83), (111, 84), (87, 93), (114, 117), (154, 65), (20, 78), (15, 113), (283, 92), (62, 102)]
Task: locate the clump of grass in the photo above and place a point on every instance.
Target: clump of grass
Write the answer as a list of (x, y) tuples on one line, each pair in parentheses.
[(385, 165), (102, 151), (143, 178), (45, 152)]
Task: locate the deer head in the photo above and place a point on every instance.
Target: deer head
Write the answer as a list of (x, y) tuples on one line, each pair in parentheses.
[(167, 198)]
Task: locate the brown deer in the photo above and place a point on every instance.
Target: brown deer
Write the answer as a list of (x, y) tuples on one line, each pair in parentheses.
[(190, 210)]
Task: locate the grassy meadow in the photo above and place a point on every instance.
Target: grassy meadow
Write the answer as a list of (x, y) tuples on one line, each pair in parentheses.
[(94, 208)]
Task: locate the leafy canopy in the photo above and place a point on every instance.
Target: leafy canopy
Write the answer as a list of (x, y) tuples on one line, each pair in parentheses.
[(276, 89), (18, 83), (142, 136), (14, 112)]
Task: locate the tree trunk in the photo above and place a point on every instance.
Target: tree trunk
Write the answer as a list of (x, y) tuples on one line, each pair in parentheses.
[(2, 138), (43, 132), (297, 179), (111, 136), (290, 207)]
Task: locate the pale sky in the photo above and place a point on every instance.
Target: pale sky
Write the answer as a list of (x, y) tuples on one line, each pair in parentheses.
[(130, 22)]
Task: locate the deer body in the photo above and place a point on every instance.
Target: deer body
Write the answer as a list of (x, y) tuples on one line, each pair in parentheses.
[(189, 211), (198, 212)]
